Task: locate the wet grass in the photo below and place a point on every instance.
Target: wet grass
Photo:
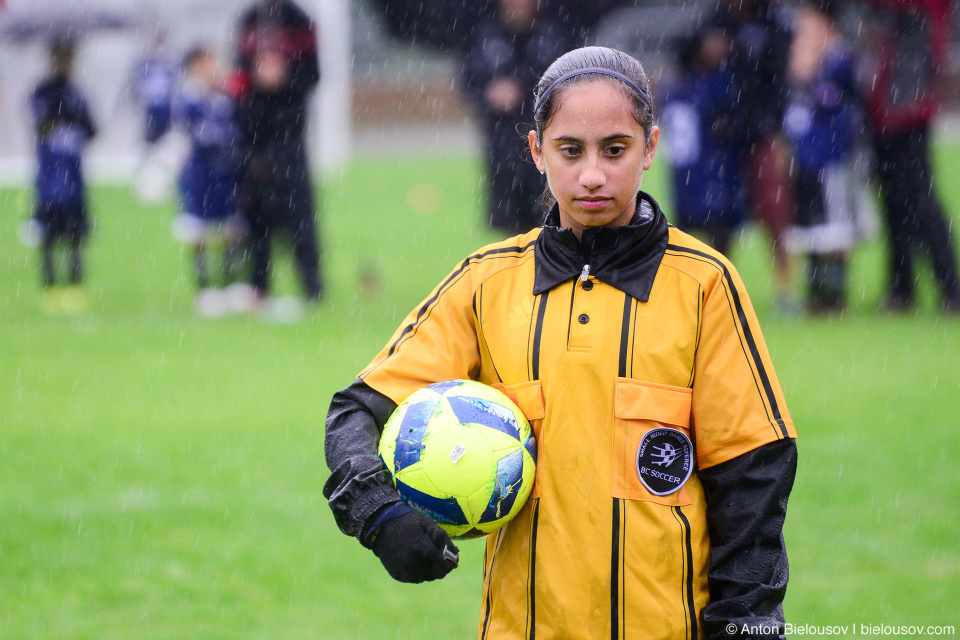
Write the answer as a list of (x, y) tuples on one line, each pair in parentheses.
[(160, 474)]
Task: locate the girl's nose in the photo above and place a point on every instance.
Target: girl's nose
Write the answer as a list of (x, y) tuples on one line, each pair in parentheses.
[(592, 176)]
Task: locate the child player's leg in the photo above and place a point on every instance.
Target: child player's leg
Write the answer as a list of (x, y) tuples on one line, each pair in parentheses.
[(233, 237), (201, 270), (76, 260), (48, 270)]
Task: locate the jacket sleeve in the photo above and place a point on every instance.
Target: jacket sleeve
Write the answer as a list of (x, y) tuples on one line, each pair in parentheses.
[(746, 507), (738, 404), (40, 112), (486, 53), (85, 119), (437, 341), (305, 64), (359, 483)]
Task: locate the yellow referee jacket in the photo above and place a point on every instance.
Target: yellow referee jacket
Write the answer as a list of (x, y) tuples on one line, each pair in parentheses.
[(637, 358)]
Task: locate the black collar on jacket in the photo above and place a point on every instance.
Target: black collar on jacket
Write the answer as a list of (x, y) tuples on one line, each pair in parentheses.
[(624, 257)]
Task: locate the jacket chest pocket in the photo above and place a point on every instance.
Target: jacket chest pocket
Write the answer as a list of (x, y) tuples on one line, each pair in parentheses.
[(652, 455), (528, 396)]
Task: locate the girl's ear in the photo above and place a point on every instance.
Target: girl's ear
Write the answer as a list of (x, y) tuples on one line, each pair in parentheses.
[(651, 147), (536, 152)]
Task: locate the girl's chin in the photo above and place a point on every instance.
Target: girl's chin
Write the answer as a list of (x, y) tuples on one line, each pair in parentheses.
[(579, 217), (603, 218)]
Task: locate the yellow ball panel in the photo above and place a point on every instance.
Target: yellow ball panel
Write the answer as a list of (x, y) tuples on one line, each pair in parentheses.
[(458, 460)]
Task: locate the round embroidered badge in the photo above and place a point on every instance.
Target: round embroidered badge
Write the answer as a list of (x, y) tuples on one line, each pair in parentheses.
[(664, 460)]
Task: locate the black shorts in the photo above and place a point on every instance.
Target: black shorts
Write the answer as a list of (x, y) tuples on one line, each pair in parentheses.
[(69, 221)]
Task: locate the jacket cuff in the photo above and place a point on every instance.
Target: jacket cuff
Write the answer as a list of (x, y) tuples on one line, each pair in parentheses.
[(379, 518), (369, 503)]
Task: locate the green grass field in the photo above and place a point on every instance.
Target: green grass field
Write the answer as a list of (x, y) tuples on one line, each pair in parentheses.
[(160, 474)]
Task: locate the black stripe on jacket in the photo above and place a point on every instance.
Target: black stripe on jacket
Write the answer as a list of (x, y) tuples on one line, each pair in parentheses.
[(747, 334)]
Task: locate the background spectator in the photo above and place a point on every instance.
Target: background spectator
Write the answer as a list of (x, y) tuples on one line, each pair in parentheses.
[(761, 47), (704, 142), (154, 84), (505, 58), (909, 49), (63, 126), (822, 121), (208, 181), (278, 69)]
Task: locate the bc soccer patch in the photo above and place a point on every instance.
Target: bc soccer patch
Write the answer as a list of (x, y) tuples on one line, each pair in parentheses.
[(664, 460)]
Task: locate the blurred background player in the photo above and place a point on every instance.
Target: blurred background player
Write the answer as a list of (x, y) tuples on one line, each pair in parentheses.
[(278, 70), (209, 179), (909, 57), (761, 47), (822, 122), (505, 57), (704, 140), (154, 86), (64, 127), (155, 82)]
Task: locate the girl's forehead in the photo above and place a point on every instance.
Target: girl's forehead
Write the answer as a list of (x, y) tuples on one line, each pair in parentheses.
[(598, 104)]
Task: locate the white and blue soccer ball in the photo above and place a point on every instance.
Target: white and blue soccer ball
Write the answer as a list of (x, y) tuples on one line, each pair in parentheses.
[(462, 453)]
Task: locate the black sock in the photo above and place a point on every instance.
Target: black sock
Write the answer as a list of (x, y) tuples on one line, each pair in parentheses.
[(46, 260), (76, 263), (200, 269)]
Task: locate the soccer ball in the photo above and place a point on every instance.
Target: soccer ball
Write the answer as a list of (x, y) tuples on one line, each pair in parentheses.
[(462, 453)]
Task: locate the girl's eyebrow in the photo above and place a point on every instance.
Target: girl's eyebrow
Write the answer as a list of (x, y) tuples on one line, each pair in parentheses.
[(616, 136)]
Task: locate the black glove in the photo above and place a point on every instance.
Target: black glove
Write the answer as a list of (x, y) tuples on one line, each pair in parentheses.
[(413, 548)]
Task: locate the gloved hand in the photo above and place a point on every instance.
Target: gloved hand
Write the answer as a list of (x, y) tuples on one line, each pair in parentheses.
[(413, 548)]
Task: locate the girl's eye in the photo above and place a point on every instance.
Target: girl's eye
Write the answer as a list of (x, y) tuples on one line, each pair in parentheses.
[(570, 151), (615, 150)]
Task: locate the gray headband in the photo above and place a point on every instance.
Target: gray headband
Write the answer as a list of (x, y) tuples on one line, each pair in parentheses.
[(582, 72)]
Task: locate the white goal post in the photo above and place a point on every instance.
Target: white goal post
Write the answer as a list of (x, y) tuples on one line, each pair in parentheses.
[(333, 137)]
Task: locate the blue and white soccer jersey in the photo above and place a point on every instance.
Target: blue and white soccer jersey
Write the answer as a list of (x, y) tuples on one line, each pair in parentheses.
[(208, 181), (704, 151), (821, 123), (64, 127), (156, 81)]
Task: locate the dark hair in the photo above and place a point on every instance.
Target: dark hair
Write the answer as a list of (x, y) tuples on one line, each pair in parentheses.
[(62, 45), (829, 8), (62, 51), (611, 65), (194, 54), (687, 48)]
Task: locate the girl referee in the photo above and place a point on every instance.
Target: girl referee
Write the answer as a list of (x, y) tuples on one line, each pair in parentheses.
[(666, 452)]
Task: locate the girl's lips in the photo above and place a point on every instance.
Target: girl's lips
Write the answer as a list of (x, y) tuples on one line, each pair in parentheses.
[(593, 204)]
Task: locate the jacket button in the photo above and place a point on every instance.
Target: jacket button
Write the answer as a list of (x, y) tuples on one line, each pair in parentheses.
[(584, 318), (587, 285)]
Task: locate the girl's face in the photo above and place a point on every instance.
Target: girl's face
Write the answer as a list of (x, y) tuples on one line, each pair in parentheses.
[(594, 153), (207, 69)]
